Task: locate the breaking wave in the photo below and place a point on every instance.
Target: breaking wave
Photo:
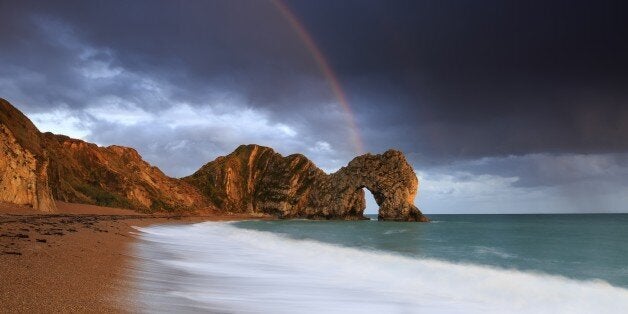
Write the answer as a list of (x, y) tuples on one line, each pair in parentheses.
[(219, 268)]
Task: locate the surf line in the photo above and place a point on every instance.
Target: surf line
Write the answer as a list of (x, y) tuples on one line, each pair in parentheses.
[(327, 71)]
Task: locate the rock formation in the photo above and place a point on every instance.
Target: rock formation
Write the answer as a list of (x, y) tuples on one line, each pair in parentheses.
[(23, 163), (257, 179), (37, 168), (115, 176), (388, 176)]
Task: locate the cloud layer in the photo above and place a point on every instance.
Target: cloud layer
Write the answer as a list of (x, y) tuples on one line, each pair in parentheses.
[(501, 107)]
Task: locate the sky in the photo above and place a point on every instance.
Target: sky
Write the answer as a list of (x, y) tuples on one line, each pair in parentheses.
[(500, 106)]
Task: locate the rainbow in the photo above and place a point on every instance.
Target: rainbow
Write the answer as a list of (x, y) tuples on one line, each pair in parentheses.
[(327, 71)]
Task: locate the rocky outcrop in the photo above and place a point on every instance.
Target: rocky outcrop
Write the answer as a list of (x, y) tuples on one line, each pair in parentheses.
[(23, 176), (257, 179), (389, 177), (23, 163), (38, 168)]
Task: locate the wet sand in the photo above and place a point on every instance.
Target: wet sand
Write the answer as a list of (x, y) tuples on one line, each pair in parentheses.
[(75, 260)]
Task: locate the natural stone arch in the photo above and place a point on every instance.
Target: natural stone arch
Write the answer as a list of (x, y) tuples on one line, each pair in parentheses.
[(391, 180), (256, 179)]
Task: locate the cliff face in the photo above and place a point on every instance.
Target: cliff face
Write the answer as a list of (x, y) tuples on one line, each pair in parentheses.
[(256, 179), (23, 176), (116, 176), (23, 162), (37, 168)]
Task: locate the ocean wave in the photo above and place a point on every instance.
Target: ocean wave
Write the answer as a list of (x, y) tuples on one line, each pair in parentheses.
[(394, 231), (493, 251), (217, 267)]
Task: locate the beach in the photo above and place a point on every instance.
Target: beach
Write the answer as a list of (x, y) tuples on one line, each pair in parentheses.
[(86, 258), (74, 260)]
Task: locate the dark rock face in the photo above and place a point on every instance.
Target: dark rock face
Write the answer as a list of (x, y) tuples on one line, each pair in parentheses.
[(257, 179)]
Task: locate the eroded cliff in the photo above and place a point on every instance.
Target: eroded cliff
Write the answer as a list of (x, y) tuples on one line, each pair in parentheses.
[(38, 168), (116, 176), (23, 162), (257, 179)]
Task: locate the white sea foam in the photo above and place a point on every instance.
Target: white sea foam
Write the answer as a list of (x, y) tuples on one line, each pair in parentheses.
[(393, 231), (492, 251), (217, 267)]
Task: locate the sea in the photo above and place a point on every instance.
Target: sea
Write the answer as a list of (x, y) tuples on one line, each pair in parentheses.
[(455, 264)]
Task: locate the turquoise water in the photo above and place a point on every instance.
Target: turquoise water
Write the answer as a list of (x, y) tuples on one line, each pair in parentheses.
[(456, 264), (584, 246)]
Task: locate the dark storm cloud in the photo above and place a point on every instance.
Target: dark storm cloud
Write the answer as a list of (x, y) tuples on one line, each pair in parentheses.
[(476, 78), (197, 44), (512, 98), (463, 79), (111, 69)]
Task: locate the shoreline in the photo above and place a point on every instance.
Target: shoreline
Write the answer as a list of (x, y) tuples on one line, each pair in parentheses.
[(76, 259)]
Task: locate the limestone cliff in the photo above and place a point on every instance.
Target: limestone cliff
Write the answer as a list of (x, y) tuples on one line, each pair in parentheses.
[(257, 179), (23, 162), (116, 176), (39, 167)]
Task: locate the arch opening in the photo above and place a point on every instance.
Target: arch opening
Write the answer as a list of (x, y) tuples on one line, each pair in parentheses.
[(372, 208)]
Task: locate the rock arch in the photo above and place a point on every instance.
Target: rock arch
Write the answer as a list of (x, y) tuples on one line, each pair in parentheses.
[(256, 179), (391, 180)]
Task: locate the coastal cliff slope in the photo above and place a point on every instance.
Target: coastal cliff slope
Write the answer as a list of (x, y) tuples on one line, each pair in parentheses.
[(37, 168), (114, 176), (23, 161)]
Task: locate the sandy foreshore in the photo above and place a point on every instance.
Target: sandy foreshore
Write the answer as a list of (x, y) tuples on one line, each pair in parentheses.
[(74, 260)]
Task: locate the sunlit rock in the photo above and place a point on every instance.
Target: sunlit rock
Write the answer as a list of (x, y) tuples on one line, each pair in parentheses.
[(38, 168), (257, 179)]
